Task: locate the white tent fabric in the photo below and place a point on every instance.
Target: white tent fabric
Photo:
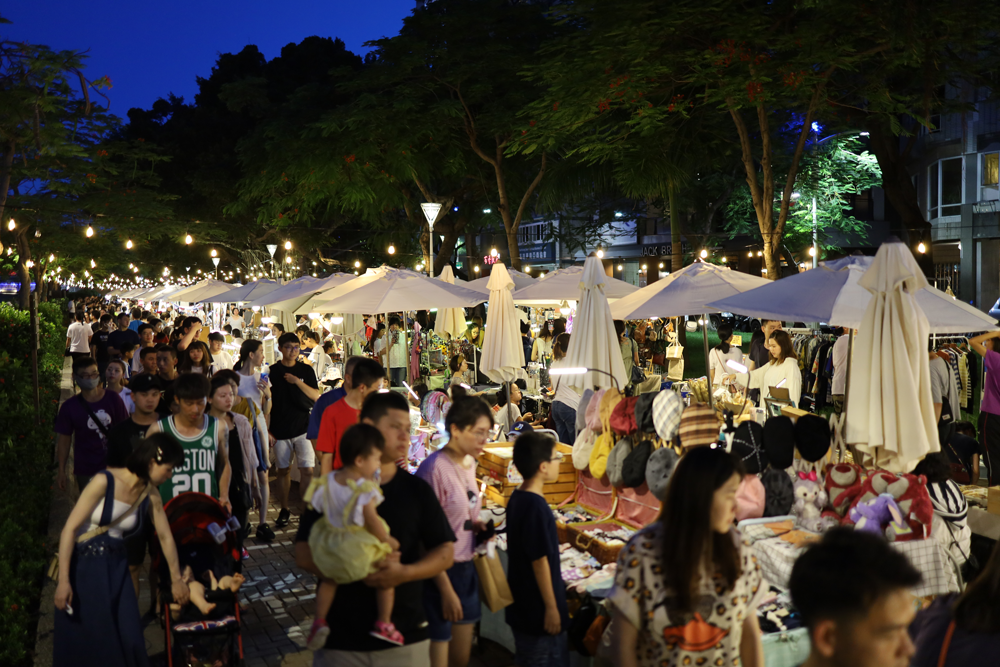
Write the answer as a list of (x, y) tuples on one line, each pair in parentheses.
[(521, 280), (594, 343), (205, 288), (389, 290), (248, 292), (503, 354), (685, 292), (161, 292), (891, 412), (831, 293), (450, 321), (300, 292), (564, 285)]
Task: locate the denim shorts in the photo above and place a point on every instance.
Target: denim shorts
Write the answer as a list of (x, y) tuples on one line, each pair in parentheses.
[(465, 581), (541, 650)]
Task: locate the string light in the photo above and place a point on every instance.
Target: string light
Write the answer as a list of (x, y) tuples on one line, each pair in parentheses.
[(128, 244), (812, 251), (52, 258), (188, 240), (921, 248), (357, 264), (527, 269), (760, 253), (661, 265), (600, 254), (620, 267), (392, 250), (750, 254), (11, 225), (288, 259), (89, 232), (476, 268), (93, 264), (288, 245), (704, 253), (214, 253)]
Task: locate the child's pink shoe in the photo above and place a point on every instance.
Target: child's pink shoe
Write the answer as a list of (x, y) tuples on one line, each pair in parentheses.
[(317, 635), (387, 632)]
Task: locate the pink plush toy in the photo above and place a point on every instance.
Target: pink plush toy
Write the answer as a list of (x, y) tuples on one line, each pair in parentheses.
[(843, 485)]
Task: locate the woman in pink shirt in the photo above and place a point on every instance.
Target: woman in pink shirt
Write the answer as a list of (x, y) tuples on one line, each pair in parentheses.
[(988, 347), (451, 602)]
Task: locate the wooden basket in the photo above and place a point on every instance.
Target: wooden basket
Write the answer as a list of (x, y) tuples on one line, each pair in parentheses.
[(604, 553), (496, 463)]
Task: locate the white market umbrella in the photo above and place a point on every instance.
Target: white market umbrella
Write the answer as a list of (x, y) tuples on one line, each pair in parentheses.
[(248, 292), (389, 290), (521, 280), (299, 292), (594, 343), (685, 292), (831, 293), (891, 414), (564, 285), (206, 288), (450, 321), (503, 354)]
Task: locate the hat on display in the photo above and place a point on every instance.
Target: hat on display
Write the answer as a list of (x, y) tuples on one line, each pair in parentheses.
[(622, 418), (667, 409), (779, 441), (581, 409), (144, 382), (616, 460), (779, 492), (634, 468), (748, 446), (644, 412), (750, 498), (582, 448), (520, 427), (812, 437), (659, 469), (698, 426)]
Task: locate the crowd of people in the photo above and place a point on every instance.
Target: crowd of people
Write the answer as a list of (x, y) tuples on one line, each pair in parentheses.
[(160, 413)]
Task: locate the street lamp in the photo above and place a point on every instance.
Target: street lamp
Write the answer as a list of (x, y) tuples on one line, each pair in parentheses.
[(215, 260), (431, 211), (272, 248)]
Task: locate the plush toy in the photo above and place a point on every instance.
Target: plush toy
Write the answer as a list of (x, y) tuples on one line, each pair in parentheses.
[(910, 494), (873, 516), (810, 499), (843, 485)]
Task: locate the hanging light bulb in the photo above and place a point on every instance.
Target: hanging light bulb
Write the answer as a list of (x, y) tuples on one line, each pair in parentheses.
[(52, 258), (704, 253), (600, 253), (750, 254), (527, 269), (921, 248), (288, 260), (812, 251), (392, 250), (89, 232), (661, 265), (357, 264), (128, 244), (493, 252), (760, 253), (620, 267), (11, 225), (188, 240), (288, 245), (214, 253), (93, 264), (476, 268)]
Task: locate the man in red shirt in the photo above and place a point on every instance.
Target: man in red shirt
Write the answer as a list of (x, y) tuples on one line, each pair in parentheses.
[(366, 378)]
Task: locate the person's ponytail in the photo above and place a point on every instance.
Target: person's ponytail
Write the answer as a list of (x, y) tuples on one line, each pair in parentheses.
[(246, 349)]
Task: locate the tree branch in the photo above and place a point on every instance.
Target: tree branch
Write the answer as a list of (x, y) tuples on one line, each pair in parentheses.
[(529, 191)]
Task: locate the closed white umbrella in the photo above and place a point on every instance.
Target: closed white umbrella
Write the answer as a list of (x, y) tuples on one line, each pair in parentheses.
[(594, 343), (450, 321), (891, 413), (564, 285), (521, 280), (389, 290), (248, 292), (503, 354)]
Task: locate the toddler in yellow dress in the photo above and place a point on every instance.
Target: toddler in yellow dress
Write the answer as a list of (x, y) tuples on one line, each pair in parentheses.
[(351, 537)]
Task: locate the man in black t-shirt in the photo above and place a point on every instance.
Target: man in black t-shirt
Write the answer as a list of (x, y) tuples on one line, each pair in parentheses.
[(963, 448), (99, 344), (426, 549), (123, 335), (293, 392)]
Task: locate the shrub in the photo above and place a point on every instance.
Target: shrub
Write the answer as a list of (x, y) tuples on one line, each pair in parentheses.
[(26, 455)]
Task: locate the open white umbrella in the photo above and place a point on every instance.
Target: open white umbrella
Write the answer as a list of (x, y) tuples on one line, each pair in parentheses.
[(832, 293), (201, 290), (594, 343), (891, 413), (564, 285), (450, 321), (521, 280), (389, 290), (248, 292)]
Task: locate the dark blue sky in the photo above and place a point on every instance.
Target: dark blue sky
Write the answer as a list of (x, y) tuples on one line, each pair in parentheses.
[(150, 49)]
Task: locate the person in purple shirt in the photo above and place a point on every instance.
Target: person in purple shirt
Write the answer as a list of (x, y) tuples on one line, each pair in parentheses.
[(987, 346), (85, 419)]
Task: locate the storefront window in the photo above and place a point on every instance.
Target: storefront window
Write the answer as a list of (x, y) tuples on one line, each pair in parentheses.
[(945, 188), (990, 188)]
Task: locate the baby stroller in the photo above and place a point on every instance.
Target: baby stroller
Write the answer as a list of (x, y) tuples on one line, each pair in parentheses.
[(195, 639)]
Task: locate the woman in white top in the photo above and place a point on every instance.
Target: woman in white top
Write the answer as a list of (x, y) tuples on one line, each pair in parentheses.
[(543, 344), (721, 353), (115, 375), (258, 390), (784, 366), (566, 399)]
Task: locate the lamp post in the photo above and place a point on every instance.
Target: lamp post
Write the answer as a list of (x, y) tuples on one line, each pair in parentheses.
[(272, 248), (431, 211)]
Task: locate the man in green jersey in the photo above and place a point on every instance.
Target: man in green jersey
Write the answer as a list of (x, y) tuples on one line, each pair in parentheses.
[(204, 439)]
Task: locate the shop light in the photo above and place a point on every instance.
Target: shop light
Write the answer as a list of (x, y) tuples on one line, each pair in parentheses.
[(737, 366), (580, 370), (412, 393), (760, 253), (288, 259), (336, 320)]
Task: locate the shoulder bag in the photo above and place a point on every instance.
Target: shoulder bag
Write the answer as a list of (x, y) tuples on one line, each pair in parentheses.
[(100, 424)]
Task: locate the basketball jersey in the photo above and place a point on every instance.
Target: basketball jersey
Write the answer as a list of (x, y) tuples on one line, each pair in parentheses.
[(200, 460)]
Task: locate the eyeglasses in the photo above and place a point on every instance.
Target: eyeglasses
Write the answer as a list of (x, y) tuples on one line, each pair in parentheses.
[(558, 457), (290, 348), (481, 433)]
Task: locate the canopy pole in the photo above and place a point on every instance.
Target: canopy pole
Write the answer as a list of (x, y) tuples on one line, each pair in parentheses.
[(704, 338), (406, 348), (855, 453)]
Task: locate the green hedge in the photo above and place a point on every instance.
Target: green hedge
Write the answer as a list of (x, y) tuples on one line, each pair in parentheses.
[(26, 455)]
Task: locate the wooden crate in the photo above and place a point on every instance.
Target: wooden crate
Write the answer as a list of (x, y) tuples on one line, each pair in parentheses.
[(496, 463), (596, 498), (993, 500)]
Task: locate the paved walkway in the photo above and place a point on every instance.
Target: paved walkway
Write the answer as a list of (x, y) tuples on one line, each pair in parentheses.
[(277, 598)]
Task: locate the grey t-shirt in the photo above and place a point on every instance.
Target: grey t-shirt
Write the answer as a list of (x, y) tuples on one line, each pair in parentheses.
[(942, 384)]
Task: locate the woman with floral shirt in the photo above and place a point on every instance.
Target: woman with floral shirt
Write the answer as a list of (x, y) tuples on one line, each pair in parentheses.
[(687, 586)]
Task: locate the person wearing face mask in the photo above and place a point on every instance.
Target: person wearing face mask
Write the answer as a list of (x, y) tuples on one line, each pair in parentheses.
[(688, 585), (782, 368), (451, 601), (85, 420), (97, 613)]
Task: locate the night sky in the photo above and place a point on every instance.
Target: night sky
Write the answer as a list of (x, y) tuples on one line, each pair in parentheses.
[(150, 49)]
